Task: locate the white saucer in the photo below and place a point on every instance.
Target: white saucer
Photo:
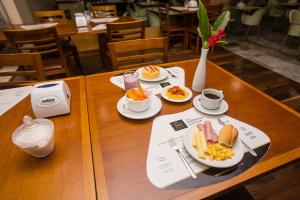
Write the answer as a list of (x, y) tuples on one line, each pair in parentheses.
[(163, 74), (223, 107), (150, 112), (163, 94)]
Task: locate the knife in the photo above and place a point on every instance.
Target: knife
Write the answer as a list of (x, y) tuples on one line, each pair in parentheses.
[(249, 149)]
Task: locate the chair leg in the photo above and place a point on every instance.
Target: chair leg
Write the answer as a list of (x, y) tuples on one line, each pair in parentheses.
[(283, 41), (298, 51), (258, 31), (248, 29)]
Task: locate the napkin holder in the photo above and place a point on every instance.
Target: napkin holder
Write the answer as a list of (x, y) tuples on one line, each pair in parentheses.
[(80, 20), (50, 99)]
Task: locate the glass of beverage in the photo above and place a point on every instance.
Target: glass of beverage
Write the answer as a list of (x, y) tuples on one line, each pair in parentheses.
[(131, 80)]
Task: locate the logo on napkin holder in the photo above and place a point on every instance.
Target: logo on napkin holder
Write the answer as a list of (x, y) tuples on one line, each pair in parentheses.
[(48, 101)]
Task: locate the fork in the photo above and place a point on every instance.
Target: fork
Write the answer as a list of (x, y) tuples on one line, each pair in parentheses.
[(172, 75), (175, 147)]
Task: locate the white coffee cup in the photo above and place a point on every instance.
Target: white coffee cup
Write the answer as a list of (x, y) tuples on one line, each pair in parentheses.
[(211, 98), (138, 106)]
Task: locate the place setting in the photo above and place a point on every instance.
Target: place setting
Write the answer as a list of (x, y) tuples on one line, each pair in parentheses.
[(202, 145), (153, 78)]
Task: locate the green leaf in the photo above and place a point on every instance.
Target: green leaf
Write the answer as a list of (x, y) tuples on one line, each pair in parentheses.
[(203, 27), (222, 21), (221, 42)]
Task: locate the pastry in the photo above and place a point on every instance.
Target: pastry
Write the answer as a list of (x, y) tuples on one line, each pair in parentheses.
[(137, 94), (151, 72), (228, 135), (176, 93)]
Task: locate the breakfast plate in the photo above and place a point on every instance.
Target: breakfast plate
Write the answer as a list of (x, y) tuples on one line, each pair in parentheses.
[(221, 110), (162, 75), (155, 107), (188, 94), (237, 149)]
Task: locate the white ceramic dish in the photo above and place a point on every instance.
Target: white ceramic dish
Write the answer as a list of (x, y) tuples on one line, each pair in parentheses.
[(164, 91), (154, 108), (237, 148), (221, 110), (162, 75)]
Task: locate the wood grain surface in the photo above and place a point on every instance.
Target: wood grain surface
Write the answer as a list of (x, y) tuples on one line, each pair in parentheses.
[(67, 28), (67, 173), (120, 145)]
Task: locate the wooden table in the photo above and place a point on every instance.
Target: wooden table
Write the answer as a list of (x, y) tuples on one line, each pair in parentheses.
[(67, 173), (120, 145), (68, 28)]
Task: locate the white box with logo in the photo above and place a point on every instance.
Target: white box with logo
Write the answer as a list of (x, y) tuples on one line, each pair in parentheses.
[(50, 99)]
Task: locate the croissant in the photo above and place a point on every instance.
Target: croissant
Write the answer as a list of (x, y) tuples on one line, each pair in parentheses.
[(228, 135)]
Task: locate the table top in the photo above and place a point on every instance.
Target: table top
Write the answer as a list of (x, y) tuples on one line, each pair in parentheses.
[(120, 145), (184, 10), (67, 173), (68, 28)]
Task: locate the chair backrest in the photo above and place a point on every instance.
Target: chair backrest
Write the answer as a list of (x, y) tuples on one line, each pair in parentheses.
[(44, 41), (294, 16), (119, 31), (50, 15), (164, 16), (214, 11), (101, 11), (30, 65), (140, 52)]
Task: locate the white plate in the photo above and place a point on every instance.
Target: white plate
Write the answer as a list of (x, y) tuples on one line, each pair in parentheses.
[(237, 148), (150, 112), (162, 75), (163, 94), (221, 110)]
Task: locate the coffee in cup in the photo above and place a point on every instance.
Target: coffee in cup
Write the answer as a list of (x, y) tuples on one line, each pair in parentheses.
[(211, 98)]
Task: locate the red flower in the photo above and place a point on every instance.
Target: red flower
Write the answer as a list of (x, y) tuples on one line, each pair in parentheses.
[(216, 37)]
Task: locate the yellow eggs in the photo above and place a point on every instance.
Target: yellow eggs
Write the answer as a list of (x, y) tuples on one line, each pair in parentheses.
[(219, 152)]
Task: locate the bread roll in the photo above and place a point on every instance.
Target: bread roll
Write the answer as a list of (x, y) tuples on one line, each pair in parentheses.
[(228, 135)]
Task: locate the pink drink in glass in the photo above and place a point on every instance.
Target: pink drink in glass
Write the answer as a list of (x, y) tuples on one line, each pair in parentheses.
[(131, 80)]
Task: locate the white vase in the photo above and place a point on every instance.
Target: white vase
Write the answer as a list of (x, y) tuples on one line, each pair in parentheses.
[(200, 73)]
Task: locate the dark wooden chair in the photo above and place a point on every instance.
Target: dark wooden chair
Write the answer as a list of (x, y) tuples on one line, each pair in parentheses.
[(213, 12), (50, 15), (30, 66), (67, 44), (140, 52), (170, 30), (119, 31), (103, 11), (44, 41)]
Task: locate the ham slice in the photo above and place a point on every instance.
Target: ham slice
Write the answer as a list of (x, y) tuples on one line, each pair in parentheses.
[(211, 136)]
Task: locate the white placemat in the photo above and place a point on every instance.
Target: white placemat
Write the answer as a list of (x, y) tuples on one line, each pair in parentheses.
[(104, 20), (38, 26), (156, 87), (164, 167), (10, 97), (99, 27)]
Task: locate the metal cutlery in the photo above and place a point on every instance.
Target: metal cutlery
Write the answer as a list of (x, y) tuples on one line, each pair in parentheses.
[(249, 149), (172, 75), (175, 147)]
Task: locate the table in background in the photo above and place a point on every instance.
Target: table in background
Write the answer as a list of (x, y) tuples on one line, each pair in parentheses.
[(120, 145), (67, 173), (68, 28), (245, 9)]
